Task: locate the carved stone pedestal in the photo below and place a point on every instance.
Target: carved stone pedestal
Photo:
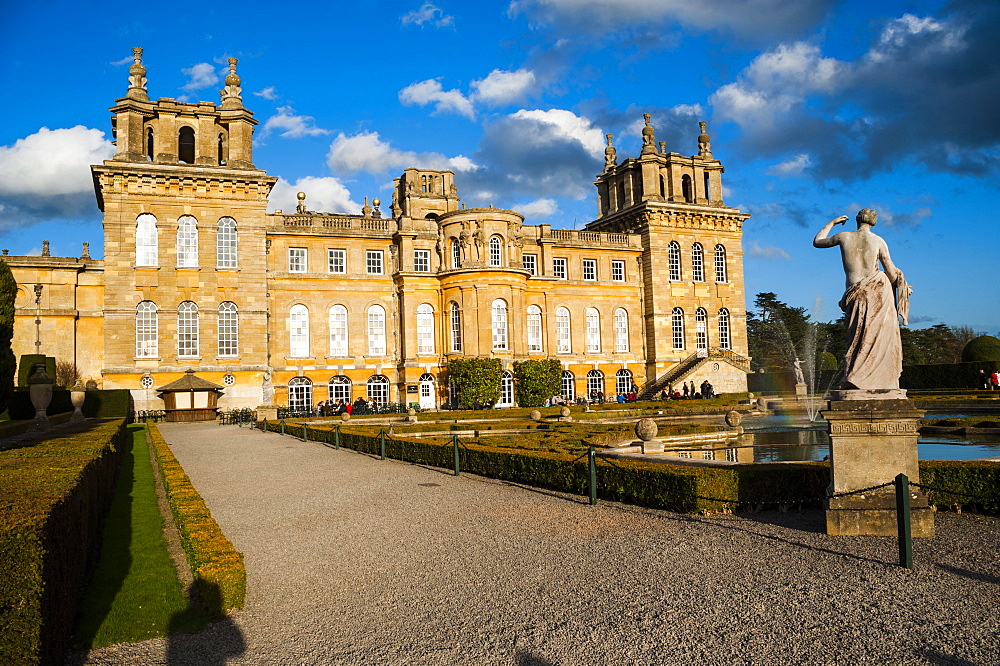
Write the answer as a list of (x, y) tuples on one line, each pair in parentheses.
[(801, 391), (268, 412), (871, 441)]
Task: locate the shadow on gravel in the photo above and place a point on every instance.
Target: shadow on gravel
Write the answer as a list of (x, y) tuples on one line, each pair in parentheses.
[(974, 575), (935, 657), (219, 642), (522, 658)]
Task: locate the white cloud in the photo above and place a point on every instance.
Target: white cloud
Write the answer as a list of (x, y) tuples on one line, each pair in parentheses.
[(269, 93), (323, 194), (290, 125), (537, 208), (200, 76), (48, 174), (567, 126), (768, 252), (430, 91), (503, 87), (793, 166), (367, 152), (429, 14)]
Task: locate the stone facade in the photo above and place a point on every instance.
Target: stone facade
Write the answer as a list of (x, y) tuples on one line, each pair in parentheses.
[(309, 305)]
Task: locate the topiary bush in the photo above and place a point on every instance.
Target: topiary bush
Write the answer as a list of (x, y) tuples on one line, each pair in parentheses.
[(537, 380), (475, 379), (826, 361), (983, 348), (8, 363)]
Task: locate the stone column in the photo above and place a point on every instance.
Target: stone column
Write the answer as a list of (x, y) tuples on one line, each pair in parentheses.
[(871, 441)]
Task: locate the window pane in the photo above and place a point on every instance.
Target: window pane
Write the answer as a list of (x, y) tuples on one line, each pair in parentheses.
[(338, 331), (146, 241), (228, 330), (422, 261), (187, 329), (225, 243), (376, 331), (297, 260), (593, 330), (499, 324), (187, 242), (589, 269), (618, 271), (534, 329), (146, 330), (563, 341), (621, 330), (337, 260), (298, 323), (559, 267), (425, 329), (374, 262)]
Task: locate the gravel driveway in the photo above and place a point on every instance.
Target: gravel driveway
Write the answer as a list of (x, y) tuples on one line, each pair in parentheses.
[(351, 560)]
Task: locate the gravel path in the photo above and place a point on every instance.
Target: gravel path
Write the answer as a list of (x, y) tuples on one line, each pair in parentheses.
[(352, 560)]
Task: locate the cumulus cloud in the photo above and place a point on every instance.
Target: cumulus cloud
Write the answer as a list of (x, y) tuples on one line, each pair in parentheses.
[(503, 87), (430, 91), (200, 76), (427, 14), (366, 151), (793, 166), (538, 208), (290, 125), (768, 252), (323, 194), (47, 174), (268, 93)]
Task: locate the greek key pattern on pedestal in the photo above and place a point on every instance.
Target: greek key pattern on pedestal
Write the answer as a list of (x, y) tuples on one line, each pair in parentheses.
[(876, 428)]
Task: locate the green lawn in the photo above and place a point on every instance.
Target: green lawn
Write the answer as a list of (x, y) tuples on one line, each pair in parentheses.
[(134, 593)]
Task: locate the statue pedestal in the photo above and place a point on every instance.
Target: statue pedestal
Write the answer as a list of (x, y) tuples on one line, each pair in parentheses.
[(871, 441), (801, 391), (268, 412)]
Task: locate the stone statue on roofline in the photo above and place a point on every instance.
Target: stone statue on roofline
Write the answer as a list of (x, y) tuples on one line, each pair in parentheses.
[(873, 302)]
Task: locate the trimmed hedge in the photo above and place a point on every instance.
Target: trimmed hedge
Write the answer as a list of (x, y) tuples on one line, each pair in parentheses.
[(973, 477), (54, 495), (945, 375), (99, 403), (217, 566)]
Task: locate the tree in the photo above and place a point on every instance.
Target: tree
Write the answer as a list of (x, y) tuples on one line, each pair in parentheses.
[(475, 379), (937, 344), (537, 380), (8, 363), (776, 332)]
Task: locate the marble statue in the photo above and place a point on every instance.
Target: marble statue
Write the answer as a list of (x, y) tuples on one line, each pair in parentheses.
[(267, 390), (800, 378), (874, 358)]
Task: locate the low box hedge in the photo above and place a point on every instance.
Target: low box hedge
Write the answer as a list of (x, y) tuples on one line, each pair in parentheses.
[(219, 573), (54, 494), (98, 403)]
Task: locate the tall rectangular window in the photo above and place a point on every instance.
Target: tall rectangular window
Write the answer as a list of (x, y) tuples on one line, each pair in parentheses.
[(425, 329), (228, 330), (298, 331), (225, 243), (146, 330), (618, 270), (297, 260), (530, 263), (589, 269), (563, 341), (559, 267), (145, 240), (373, 261), (338, 331), (422, 261), (187, 242), (187, 329), (336, 261), (376, 330), (593, 330), (456, 328), (534, 328)]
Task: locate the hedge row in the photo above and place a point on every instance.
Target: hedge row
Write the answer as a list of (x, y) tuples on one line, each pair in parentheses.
[(99, 403), (681, 488), (217, 566), (15, 428), (54, 495), (945, 375)]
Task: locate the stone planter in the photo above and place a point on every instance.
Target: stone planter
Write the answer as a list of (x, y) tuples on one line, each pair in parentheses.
[(77, 396), (40, 390)]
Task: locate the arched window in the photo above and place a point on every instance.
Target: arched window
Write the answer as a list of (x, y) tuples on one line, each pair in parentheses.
[(456, 254), (229, 330), (499, 321), (506, 390), (225, 243), (150, 153), (721, 273), (568, 386), (687, 188), (222, 150), (701, 330), (378, 389), (338, 331), (376, 331), (564, 343), (187, 242), (595, 385), (146, 330), (724, 340), (298, 330), (496, 255), (697, 263), (187, 329), (677, 327), (339, 388), (674, 261), (621, 330), (146, 241), (425, 329), (455, 324), (185, 145), (300, 393), (534, 328), (623, 381), (593, 318)]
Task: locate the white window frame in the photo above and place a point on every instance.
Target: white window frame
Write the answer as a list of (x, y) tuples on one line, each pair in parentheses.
[(721, 269), (298, 331), (336, 261), (725, 340), (701, 329), (378, 389), (617, 270), (376, 331), (228, 330), (498, 319), (373, 262), (422, 261), (187, 329), (590, 269), (456, 254), (677, 328), (568, 386), (621, 330), (595, 382), (187, 242), (530, 263), (593, 321), (298, 260), (534, 328), (146, 241), (564, 335), (496, 251), (300, 393), (559, 268), (425, 329), (339, 388), (226, 243), (339, 340), (624, 381), (147, 330), (455, 326), (506, 390), (674, 262), (697, 263)]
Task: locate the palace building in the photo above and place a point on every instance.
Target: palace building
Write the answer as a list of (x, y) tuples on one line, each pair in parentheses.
[(291, 308)]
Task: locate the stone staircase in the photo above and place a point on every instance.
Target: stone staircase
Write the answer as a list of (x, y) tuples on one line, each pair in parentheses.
[(651, 389)]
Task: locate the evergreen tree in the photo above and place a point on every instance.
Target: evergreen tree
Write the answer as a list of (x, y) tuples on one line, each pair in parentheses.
[(8, 363), (537, 380)]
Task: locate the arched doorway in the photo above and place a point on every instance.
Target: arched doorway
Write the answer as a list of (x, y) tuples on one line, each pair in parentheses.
[(427, 399), (506, 390)]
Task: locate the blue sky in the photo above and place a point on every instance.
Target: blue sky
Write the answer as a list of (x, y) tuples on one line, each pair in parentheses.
[(817, 108)]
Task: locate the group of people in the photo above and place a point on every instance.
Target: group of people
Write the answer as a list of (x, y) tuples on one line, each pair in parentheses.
[(989, 381), (706, 391), (338, 407)]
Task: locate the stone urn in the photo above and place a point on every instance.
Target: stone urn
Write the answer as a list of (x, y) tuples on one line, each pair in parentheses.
[(535, 415), (77, 396), (40, 390), (645, 429)]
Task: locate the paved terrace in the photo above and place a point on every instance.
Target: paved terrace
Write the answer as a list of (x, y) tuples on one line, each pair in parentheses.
[(351, 560)]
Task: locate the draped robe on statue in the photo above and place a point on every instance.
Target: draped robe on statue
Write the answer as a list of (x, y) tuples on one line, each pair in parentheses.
[(874, 352)]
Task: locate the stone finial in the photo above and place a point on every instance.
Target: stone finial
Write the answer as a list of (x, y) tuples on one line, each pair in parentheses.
[(6, 252), (663, 147), (704, 141), (610, 155), (376, 212), (645, 429), (366, 210), (86, 251), (231, 94), (300, 207), (648, 137), (45, 249), (137, 76)]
